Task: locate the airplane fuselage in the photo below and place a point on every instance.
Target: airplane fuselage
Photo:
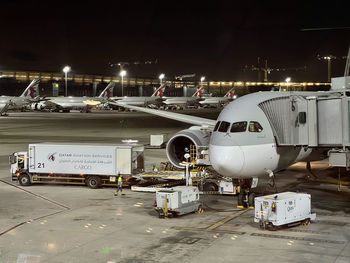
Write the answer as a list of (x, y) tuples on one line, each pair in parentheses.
[(245, 146), (70, 102), (181, 101), (138, 101)]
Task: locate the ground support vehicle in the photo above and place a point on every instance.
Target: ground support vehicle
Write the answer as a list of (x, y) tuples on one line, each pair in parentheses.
[(90, 164), (283, 209), (178, 200)]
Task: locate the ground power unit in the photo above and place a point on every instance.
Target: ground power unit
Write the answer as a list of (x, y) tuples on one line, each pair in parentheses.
[(283, 209), (178, 200)]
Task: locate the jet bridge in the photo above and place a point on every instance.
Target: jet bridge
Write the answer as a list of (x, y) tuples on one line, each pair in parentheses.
[(314, 119)]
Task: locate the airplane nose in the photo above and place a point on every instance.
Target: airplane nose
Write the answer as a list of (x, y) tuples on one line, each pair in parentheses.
[(226, 160)]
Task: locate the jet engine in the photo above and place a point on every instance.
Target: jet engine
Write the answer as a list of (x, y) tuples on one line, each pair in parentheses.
[(181, 143), (37, 105)]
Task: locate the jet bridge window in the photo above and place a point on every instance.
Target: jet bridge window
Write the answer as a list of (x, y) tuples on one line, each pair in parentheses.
[(217, 125), (239, 126), (224, 126), (255, 126)]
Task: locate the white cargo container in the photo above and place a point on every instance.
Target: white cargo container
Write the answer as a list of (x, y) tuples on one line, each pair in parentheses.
[(157, 140), (178, 200), (283, 209), (89, 164)]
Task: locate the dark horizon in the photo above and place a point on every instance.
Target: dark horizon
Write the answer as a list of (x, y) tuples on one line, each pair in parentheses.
[(217, 40)]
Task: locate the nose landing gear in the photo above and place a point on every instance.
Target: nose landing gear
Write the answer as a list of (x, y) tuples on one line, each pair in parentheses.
[(245, 195)]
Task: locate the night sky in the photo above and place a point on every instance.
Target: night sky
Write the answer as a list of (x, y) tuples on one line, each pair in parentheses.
[(212, 38)]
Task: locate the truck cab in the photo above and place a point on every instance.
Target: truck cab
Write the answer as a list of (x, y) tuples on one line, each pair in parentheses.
[(19, 166)]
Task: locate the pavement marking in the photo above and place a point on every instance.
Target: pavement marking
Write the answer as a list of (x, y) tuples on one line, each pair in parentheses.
[(66, 208), (310, 239), (36, 195), (206, 230), (225, 220)]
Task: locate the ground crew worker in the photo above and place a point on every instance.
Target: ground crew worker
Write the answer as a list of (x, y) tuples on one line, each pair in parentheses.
[(120, 186), (155, 169)]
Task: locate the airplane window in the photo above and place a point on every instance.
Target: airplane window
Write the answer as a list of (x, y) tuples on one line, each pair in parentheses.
[(217, 126), (239, 126), (224, 126), (255, 126)]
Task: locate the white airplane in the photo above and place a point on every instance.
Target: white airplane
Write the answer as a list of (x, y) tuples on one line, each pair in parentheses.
[(29, 95), (181, 102), (218, 101), (242, 143), (155, 99), (66, 104)]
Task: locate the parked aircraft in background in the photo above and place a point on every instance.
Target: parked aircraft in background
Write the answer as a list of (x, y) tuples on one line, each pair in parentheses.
[(66, 104), (155, 99), (182, 102), (29, 95), (218, 101)]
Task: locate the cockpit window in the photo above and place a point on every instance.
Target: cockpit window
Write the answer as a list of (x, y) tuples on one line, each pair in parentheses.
[(239, 126), (255, 126), (217, 125), (224, 126)]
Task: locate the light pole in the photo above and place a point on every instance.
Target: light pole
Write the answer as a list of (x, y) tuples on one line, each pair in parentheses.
[(288, 80), (202, 79), (122, 73), (161, 77), (66, 69)]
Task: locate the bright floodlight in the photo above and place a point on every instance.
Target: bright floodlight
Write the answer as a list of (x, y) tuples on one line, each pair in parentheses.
[(161, 76), (122, 73), (288, 79), (66, 69), (202, 78)]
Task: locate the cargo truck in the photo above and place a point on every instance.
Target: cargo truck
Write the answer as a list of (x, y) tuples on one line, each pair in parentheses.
[(90, 164)]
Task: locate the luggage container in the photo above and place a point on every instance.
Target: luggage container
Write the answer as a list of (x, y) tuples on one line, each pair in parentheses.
[(287, 208)]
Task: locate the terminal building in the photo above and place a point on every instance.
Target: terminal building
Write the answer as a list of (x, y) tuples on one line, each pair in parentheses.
[(53, 84)]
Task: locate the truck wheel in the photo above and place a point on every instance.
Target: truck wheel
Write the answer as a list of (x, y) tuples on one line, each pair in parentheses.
[(24, 180), (210, 187), (93, 182)]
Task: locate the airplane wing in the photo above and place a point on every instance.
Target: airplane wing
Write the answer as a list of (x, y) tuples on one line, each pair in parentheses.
[(171, 115)]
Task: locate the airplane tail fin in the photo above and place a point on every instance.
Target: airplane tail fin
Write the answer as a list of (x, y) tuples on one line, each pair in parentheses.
[(230, 93), (198, 93), (159, 92), (32, 90), (108, 91)]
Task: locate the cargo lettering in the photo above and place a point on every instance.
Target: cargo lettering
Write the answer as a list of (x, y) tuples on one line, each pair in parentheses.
[(82, 167)]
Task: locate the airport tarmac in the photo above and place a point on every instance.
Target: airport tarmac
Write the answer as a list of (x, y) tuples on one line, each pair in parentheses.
[(57, 223)]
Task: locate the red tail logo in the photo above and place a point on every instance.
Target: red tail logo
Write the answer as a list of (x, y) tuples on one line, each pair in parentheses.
[(107, 93), (31, 92), (160, 92), (199, 93)]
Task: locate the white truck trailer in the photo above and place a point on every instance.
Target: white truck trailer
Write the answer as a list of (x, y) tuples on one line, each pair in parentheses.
[(288, 208), (90, 164)]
